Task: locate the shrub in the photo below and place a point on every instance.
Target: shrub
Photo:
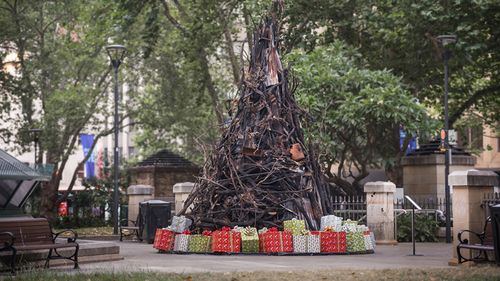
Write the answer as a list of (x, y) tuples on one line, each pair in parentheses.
[(425, 228)]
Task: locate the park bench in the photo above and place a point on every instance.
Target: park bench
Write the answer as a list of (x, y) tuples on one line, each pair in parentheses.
[(134, 230), (485, 243), (29, 234)]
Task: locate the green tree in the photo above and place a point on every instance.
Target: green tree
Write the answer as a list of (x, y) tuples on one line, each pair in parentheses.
[(60, 79), (401, 36), (354, 113), (190, 70)]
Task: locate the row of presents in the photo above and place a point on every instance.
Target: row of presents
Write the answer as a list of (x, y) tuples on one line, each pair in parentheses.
[(346, 237)]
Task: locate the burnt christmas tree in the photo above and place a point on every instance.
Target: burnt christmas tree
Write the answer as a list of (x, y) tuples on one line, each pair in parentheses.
[(261, 172)]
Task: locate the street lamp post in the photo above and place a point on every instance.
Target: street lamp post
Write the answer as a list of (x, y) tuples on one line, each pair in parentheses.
[(36, 133), (445, 40), (116, 54)]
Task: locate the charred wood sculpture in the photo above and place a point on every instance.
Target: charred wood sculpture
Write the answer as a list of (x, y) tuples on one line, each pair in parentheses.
[(261, 172)]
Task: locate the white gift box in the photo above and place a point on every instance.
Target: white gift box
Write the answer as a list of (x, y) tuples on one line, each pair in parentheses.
[(350, 226), (368, 243), (331, 221), (180, 223), (181, 242), (306, 244)]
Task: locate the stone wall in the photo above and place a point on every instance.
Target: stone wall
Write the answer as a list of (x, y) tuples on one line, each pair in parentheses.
[(162, 179), (423, 175)]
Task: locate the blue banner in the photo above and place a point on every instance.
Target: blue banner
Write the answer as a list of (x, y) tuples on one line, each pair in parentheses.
[(411, 146), (87, 140)]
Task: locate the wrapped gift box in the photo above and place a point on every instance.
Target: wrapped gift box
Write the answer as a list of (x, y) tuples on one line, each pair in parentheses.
[(261, 243), (180, 223), (350, 226), (199, 243), (355, 242), (156, 242), (332, 242), (181, 243), (295, 226), (249, 239), (261, 239), (164, 240), (306, 244), (275, 241), (368, 242), (226, 241), (332, 221)]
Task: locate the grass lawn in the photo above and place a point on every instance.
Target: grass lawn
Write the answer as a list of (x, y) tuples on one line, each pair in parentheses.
[(459, 274), (92, 231)]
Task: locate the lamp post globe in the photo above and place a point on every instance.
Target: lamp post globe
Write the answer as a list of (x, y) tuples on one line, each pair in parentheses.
[(116, 54), (444, 41)]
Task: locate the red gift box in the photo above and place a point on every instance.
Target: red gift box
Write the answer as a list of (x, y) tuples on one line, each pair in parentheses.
[(274, 241), (332, 242), (226, 241), (261, 243), (164, 240)]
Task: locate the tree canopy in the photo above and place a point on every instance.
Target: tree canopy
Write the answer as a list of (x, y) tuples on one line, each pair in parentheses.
[(362, 66), (401, 36), (354, 112), (58, 80)]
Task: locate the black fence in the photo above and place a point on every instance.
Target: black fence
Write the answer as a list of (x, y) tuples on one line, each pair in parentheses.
[(354, 207), (350, 207), (490, 199)]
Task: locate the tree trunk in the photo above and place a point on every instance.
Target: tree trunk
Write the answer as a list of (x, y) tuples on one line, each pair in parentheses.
[(49, 196), (209, 84), (232, 56), (248, 27)]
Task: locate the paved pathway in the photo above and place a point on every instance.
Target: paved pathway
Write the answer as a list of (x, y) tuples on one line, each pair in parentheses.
[(142, 257)]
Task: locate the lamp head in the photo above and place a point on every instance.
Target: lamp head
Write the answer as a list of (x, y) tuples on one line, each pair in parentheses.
[(116, 54), (35, 131), (446, 39)]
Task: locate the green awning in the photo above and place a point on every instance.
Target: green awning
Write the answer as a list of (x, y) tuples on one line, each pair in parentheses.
[(17, 181)]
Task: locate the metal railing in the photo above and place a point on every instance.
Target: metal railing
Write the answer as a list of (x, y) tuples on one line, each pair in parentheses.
[(350, 207), (490, 199)]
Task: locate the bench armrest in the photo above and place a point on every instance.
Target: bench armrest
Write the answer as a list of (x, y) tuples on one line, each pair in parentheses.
[(466, 241), (70, 239), (7, 244)]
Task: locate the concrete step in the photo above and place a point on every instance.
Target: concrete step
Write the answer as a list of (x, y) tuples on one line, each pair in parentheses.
[(90, 251)]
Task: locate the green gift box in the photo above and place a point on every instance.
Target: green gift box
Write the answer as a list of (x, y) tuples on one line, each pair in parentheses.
[(199, 243), (249, 239), (295, 226), (355, 242)]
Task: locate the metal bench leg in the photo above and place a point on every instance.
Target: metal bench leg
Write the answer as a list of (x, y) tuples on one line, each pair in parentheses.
[(47, 261), (121, 235), (76, 257), (139, 237), (13, 262)]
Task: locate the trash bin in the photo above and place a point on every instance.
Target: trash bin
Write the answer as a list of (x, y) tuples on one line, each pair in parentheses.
[(495, 223), (153, 214)]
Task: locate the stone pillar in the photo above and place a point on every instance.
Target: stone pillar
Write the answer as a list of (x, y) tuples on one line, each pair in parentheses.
[(137, 194), (380, 211), (423, 175), (469, 188), (181, 192)]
